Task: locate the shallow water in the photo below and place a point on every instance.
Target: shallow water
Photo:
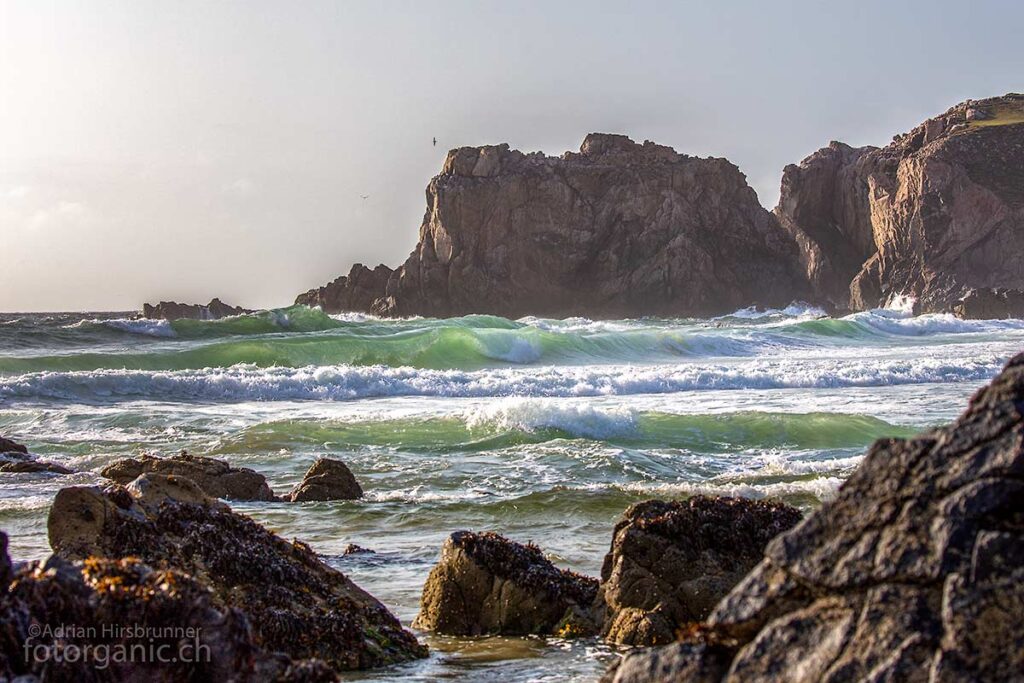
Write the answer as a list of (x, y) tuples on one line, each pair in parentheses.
[(544, 430)]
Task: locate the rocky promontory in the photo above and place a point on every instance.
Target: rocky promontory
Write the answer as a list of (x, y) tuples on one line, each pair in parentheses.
[(619, 229), (622, 229), (915, 571), (936, 216)]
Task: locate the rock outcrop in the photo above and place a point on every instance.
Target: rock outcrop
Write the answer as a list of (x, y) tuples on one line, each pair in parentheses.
[(671, 562), (937, 216), (295, 604), (327, 479), (215, 477), (487, 584), (618, 229), (9, 446), (58, 621), (915, 571), (356, 291), (172, 310)]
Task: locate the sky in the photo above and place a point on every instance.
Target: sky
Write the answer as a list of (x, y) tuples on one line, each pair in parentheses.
[(191, 149)]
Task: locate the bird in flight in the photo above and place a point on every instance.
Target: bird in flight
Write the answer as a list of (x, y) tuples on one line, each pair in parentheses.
[(364, 196), (435, 142)]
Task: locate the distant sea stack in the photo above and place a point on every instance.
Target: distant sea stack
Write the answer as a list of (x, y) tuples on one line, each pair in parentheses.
[(172, 310), (937, 215), (619, 229)]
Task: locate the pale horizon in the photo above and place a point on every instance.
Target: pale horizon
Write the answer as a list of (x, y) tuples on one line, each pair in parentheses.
[(189, 151)]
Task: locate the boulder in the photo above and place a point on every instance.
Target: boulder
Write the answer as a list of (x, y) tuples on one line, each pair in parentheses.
[(215, 477), (619, 229), (294, 602), (915, 571), (487, 584), (8, 446), (203, 639), (936, 216), (671, 562), (172, 310), (327, 479)]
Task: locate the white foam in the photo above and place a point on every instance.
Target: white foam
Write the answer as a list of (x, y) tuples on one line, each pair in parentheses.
[(529, 415), (345, 382), (144, 326)]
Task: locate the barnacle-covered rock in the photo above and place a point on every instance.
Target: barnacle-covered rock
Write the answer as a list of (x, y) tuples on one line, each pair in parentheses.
[(81, 621), (671, 561), (297, 604), (215, 477), (487, 584)]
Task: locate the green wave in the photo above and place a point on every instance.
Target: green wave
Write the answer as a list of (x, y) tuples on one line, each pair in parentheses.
[(697, 433)]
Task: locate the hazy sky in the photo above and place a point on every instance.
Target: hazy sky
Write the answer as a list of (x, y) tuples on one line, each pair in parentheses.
[(185, 150)]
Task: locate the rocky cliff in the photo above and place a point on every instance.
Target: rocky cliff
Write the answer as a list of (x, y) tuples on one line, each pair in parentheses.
[(618, 229), (937, 215)]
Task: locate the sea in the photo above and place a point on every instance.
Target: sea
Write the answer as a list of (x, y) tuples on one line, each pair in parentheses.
[(543, 430)]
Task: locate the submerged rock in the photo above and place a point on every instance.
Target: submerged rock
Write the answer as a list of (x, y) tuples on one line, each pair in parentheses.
[(203, 639), (915, 571), (487, 584), (215, 477), (16, 466), (172, 310), (619, 229), (327, 479), (295, 603), (671, 562)]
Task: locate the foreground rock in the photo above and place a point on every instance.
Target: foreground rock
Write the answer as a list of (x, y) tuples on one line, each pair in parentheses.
[(915, 571), (671, 562), (204, 640), (172, 310), (215, 477), (294, 602), (327, 479), (938, 215), (618, 230), (487, 584)]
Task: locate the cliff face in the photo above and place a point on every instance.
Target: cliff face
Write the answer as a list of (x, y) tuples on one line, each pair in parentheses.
[(618, 229), (937, 215)]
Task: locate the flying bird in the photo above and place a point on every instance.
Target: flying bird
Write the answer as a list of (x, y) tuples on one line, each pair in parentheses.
[(364, 196), (435, 142)]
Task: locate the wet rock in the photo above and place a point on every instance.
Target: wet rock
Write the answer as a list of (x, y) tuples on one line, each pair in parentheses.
[(204, 639), (295, 603), (671, 562), (215, 477), (172, 310), (619, 229), (487, 584), (9, 446), (353, 549), (17, 466), (913, 572), (327, 479)]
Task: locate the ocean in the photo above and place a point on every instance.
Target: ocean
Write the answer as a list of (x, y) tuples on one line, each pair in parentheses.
[(543, 430)]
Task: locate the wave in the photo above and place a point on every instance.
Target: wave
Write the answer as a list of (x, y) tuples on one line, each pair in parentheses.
[(532, 421), (346, 382)]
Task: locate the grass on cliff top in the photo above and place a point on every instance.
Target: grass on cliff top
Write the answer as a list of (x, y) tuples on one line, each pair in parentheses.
[(1002, 115)]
